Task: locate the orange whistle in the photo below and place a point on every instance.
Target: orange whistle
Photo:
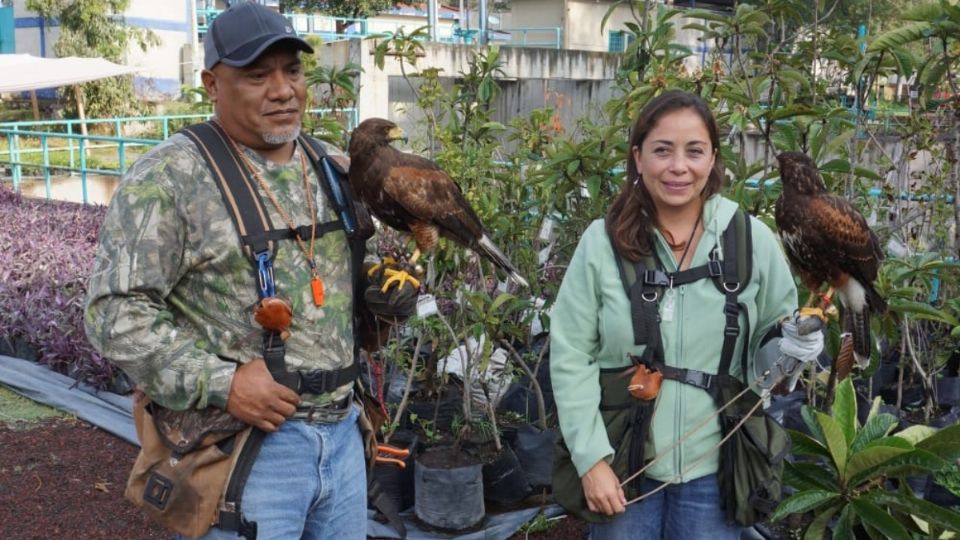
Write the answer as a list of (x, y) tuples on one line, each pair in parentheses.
[(316, 285)]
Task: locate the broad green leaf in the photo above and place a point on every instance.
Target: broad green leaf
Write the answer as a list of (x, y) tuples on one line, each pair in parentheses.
[(803, 444), (805, 476), (845, 410), (911, 31), (500, 300), (866, 173), (924, 527), (838, 141), (808, 414), (929, 512), (836, 165), (944, 443), (874, 407), (873, 456), (836, 442), (803, 501), (843, 530), (876, 427), (874, 516), (914, 462), (917, 433), (921, 310), (819, 525), (923, 12)]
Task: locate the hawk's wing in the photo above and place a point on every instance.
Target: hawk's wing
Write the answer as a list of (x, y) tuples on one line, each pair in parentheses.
[(430, 196), (835, 233)]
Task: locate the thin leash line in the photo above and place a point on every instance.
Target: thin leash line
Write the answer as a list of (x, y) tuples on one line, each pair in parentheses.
[(703, 423), (702, 458)]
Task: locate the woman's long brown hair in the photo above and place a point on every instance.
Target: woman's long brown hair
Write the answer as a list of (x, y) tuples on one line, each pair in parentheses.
[(632, 216)]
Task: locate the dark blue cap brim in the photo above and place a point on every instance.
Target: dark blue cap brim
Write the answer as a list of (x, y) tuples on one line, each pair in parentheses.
[(246, 55)]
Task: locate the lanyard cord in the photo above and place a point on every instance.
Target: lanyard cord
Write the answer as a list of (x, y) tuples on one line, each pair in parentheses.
[(307, 252)]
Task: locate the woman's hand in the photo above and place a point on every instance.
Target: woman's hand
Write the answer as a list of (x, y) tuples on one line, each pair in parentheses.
[(602, 489)]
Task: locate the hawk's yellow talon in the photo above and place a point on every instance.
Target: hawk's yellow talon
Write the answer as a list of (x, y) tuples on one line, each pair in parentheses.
[(398, 276), (375, 268), (812, 312)]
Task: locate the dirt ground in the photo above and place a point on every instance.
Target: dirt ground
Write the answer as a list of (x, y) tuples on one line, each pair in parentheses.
[(63, 478)]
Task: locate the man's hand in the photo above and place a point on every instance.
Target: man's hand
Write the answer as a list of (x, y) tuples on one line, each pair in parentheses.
[(602, 490), (258, 400)]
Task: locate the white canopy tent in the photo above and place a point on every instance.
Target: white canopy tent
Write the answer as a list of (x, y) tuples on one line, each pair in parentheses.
[(24, 72)]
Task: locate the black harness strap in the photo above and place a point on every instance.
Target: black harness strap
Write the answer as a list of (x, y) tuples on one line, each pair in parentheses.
[(259, 237)]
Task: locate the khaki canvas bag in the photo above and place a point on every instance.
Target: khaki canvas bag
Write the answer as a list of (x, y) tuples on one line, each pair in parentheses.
[(185, 461)]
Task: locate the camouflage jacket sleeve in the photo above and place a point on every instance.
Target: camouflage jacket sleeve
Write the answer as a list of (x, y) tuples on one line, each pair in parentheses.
[(139, 261)]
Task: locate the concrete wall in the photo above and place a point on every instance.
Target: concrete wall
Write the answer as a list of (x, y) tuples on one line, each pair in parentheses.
[(537, 72), (164, 68), (161, 75)]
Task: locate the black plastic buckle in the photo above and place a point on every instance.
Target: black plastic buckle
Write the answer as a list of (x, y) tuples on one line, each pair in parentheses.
[(656, 277), (697, 378), (316, 381), (157, 491), (715, 268)]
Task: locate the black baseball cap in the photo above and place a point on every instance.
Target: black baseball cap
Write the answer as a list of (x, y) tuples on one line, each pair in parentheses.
[(239, 35)]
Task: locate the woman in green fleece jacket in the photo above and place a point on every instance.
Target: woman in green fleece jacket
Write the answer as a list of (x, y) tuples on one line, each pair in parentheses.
[(669, 206)]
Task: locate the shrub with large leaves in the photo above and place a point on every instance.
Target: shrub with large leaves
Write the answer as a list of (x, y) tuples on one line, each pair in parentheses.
[(847, 479)]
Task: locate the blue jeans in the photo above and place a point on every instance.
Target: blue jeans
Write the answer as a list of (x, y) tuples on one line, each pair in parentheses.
[(687, 511), (309, 481)]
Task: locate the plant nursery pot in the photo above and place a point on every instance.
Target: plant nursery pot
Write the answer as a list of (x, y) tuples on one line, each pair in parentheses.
[(448, 489), (534, 449), (940, 495), (397, 483), (504, 480), (948, 391)]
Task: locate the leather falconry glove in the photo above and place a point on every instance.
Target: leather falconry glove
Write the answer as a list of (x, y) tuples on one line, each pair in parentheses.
[(394, 303), (801, 344)]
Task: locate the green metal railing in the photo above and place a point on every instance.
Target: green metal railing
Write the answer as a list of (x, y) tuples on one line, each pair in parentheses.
[(331, 28), (26, 146)]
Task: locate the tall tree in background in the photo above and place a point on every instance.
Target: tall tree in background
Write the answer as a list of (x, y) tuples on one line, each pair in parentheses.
[(354, 9), (95, 28)]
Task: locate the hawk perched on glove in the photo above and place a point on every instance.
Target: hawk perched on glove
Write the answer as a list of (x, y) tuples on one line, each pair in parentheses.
[(828, 241), (412, 194)]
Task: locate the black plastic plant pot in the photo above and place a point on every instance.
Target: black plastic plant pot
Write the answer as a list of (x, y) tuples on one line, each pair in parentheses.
[(504, 480), (534, 449), (397, 483), (449, 493), (948, 391)]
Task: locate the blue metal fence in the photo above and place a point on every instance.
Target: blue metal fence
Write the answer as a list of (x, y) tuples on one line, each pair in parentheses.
[(24, 140)]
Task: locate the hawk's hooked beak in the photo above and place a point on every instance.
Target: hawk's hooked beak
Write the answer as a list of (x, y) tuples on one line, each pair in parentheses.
[(397, 134)]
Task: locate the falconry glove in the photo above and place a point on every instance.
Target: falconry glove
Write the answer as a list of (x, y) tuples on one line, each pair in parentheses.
[(395, 302), (798, 347)]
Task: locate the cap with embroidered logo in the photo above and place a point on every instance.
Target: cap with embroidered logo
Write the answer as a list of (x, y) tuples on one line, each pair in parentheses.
[(239, 35)]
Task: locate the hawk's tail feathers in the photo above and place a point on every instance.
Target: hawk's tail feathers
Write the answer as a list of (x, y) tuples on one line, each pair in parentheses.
[(488, 248), (858, 324)]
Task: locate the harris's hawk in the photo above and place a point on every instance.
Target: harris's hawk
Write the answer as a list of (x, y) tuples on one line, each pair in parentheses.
[(412, 194), (828, 241)]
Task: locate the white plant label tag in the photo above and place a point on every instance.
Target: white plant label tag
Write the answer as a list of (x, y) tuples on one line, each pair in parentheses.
[(667, 306), (546, 230), (426, 306)]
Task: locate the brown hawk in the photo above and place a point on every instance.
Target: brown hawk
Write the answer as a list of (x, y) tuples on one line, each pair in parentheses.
[(412, 194), (828, 241)]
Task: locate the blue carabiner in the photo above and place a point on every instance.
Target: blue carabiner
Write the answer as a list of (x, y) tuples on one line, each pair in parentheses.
[(265, 275)]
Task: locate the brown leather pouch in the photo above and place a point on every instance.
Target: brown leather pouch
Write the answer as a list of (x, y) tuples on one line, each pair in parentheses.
[(185, 461)]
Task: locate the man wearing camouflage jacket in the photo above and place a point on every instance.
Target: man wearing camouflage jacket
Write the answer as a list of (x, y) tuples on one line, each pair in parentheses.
[(171, 293)]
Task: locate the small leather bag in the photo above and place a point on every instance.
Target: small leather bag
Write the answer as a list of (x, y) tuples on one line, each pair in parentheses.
[(185, 461)]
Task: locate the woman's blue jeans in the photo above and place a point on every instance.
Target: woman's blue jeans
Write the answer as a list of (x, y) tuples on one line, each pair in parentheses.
[(309, 481), (687, 511)]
